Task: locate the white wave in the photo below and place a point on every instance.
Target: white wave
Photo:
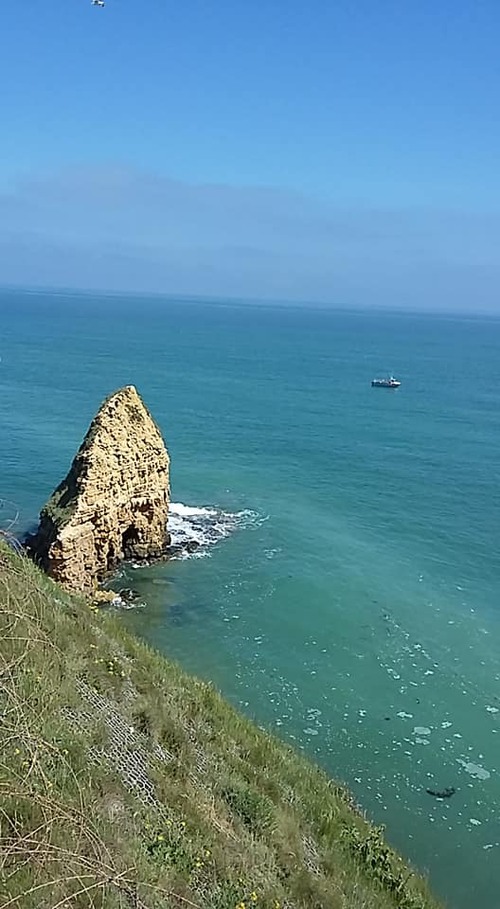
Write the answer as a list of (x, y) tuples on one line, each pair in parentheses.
[(193, 530), (178, 508), (119, 602)]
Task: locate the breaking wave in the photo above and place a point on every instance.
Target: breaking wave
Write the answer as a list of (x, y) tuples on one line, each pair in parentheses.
[(194, 530)]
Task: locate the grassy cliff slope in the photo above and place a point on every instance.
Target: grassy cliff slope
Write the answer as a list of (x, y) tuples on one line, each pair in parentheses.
[(126, 783)]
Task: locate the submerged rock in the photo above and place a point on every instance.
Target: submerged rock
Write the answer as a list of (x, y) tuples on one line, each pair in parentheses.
[(113, 504), (442, 793), (129, 594)]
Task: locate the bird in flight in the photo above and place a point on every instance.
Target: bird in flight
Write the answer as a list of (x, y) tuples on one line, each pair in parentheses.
[(97, 2)]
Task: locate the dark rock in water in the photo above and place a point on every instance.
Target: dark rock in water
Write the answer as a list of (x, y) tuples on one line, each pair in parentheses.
[(178, 548), (129, 594), (442, 793)]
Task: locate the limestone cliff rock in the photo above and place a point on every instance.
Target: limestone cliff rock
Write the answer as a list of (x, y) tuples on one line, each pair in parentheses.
[(113, 504)]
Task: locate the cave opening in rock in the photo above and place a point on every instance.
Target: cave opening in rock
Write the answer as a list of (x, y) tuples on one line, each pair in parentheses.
[(129, 538)]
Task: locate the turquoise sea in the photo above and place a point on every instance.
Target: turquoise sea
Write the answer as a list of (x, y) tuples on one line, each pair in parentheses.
[(345, 593)]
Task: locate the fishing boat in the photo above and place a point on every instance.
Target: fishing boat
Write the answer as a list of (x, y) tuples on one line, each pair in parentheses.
[(390, 382)]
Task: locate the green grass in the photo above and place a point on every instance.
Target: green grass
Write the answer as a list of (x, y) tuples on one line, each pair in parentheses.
[(62, 503), (216, 814)]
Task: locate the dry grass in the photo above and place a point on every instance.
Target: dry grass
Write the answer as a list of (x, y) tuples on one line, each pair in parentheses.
[(126, 783)]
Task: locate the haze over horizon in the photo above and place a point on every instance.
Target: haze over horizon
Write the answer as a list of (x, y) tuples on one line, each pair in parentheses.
[(346, 156)]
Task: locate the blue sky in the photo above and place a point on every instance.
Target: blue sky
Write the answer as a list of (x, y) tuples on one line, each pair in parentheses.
[(344, 152)]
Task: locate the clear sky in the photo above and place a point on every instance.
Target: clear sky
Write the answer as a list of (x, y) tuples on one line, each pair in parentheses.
[(346, 152)]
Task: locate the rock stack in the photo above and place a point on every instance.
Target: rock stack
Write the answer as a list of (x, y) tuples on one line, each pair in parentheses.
[(113, 504)]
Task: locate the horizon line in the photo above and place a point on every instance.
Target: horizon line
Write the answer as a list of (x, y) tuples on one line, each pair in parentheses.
[(246, 302)]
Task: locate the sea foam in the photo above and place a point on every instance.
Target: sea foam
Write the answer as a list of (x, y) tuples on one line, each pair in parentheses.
[(195, 529)]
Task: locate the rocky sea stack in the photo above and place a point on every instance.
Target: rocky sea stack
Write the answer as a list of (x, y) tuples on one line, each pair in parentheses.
[(113, 504)]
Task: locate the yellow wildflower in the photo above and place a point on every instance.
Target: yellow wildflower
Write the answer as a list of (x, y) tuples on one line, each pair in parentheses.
[(253, 896)]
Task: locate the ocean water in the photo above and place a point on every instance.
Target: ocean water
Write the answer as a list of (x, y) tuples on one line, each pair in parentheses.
[(345, 590)]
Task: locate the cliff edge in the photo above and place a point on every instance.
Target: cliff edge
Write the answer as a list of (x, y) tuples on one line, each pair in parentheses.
[(126, 783), (113, 504)]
